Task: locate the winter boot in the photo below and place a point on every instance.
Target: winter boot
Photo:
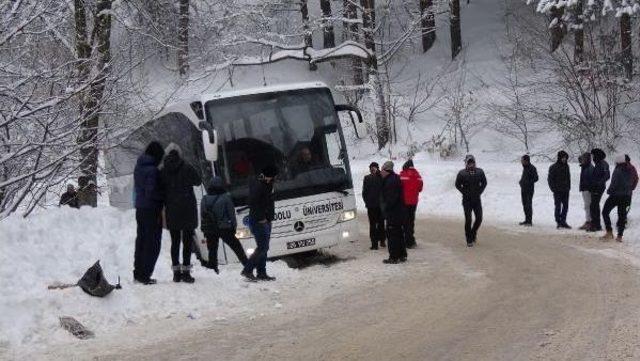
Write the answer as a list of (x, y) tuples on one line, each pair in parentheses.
[(390, 261), (186, 274), (525, 223), (383, 243), (248, 276), (619, 238), (177, 273), (585, 226), (607, 236), (265, 277)]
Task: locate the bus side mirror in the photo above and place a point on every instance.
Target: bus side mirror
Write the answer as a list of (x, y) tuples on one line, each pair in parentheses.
[(209, 141), (351, 111)]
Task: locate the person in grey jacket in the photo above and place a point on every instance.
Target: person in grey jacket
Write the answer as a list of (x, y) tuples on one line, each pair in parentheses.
[(218, 221), (620, 191)]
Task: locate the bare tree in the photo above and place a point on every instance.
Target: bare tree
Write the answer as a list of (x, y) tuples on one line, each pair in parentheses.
[(183, 37), (428, 24), (327, 24), (455, 28)]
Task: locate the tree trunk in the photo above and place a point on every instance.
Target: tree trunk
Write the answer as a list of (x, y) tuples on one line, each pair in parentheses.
[(456, 32), (90, 103), (183, 37), (304, 9), (327, 24), (625, 42), (557, 29), (353, 33), (578, 50), (428, 24)]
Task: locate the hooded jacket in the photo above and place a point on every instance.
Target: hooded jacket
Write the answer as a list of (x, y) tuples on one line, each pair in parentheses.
[(217, 210), (601, 173), (621, 181), (147, 190), (559, 177), (529, 178), (411, 184), (178, 179)]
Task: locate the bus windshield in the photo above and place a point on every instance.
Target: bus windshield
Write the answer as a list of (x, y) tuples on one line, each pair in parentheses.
[(297, 131)]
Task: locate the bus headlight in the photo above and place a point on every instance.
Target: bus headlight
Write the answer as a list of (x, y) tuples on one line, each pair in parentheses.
[(242, 233), (347, 215)]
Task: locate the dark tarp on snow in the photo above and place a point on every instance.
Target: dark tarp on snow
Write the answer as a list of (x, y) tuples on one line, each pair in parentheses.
[(94, 283)]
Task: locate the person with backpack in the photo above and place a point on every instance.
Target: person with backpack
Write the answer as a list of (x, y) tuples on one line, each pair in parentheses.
[(148, 202), (411, 187), (218, 221), (620, 192), (559, 179), (371, 191), (586, 175), (601, 175), (527, 187), (181, 211), (261, 214), (471, 183)]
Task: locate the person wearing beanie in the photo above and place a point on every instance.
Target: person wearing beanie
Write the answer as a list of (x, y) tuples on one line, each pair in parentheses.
[(620, 192), (411, 187), (148, 202), (586, 175), (601, 175), (559, 179), (218, 221), (471, 183), (394, 213), (371, 192), (181, 210), (261, 214), (527, 186)]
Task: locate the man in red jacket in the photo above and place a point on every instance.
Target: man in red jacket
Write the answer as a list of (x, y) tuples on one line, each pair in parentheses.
[(411, 188)]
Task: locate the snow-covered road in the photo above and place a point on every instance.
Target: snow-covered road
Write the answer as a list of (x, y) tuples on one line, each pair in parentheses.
[(516, 296)]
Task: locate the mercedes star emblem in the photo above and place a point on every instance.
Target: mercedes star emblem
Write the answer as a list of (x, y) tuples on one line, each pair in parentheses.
[(298, 226)]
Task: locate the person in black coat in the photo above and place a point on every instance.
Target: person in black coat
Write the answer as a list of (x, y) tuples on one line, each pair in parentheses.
[(70, 197), (371, 192), (620, 192), (559, 179), (148, 202), (586, 175), (261, 214), (392, 205), (181, 213), (601, 175), (527, 186), (471, 182)]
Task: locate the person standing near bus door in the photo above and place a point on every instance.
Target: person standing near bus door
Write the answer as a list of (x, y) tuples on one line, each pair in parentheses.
[(371, 191), (218, 215), (411, 187), (148, 201), (620, 192), (394, 213), (527, 188), (261, 214), (178, 179), (471, 182)]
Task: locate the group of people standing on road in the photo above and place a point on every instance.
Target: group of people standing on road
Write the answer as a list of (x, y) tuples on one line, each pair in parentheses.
[(163, 193), (594, 174), (392, 200)]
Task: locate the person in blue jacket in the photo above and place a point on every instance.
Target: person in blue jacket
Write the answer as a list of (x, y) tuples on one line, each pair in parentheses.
[(148, 203)]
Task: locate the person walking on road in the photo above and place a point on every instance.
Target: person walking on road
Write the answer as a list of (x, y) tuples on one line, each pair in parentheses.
[(371, 192), (218, 215), (601, 175), (394, 214), (527, 186), (559, 179), (181, 210), (586, 175), (148, 201), (471, 182), (411, 187), (261, 214), (620, 192)]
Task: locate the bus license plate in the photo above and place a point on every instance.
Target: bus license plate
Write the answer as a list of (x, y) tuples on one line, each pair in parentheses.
[(301, 243)]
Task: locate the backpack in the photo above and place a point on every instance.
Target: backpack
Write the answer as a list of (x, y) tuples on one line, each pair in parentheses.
[(209, 224)]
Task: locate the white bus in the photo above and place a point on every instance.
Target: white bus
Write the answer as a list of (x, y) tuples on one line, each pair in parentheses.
[(234, 135)]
